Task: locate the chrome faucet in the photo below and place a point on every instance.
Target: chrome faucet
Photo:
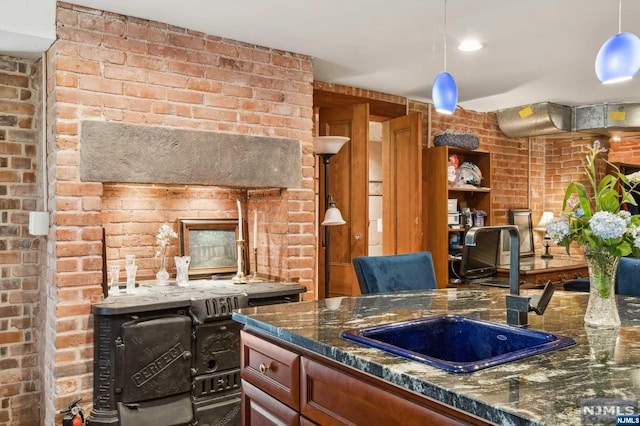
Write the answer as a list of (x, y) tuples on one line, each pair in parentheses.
[(518, 306)]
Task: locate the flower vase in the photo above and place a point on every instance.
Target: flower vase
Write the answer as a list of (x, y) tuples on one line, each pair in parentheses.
[(602, 311), (163, 276)]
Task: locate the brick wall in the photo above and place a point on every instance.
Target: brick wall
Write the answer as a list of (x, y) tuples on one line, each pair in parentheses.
[(110, 67), (563, 158), (625, 151), (20, 112)]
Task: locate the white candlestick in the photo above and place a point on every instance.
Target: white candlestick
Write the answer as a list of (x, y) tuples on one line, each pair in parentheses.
[(255, 229), (239, 221)]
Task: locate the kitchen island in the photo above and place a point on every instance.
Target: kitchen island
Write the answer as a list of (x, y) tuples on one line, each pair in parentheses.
[(543, 389)]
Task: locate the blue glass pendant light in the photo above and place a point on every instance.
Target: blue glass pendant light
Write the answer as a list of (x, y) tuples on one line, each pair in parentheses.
[(619, 57), (444, 92)]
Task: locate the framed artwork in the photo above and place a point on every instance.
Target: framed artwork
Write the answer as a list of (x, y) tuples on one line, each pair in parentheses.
[(522, 219), (211, 243)]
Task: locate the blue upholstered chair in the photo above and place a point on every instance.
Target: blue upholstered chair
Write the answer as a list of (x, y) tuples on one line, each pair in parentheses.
[(379, 274), (628, 277)]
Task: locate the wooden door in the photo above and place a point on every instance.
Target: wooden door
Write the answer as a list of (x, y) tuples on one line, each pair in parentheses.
[(402, 184), (348, 185)]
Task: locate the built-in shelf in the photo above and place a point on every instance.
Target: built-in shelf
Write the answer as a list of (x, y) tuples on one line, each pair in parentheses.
[(469, 189), (436, 191)]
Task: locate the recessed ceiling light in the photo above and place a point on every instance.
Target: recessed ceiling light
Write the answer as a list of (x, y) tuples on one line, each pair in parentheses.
[(470, 46)]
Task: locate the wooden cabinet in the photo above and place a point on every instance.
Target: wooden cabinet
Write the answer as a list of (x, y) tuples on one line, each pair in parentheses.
[(329, 393), (437, 192)]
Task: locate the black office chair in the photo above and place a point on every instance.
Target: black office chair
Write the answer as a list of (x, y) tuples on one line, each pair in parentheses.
[(411, 271)]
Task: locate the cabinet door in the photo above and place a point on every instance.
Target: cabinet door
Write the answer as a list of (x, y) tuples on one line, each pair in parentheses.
[(260, 409), (331, 397), (349, 187), (434, 199), (402, 184)]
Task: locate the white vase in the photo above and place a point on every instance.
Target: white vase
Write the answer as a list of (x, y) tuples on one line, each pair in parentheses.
[(163, 276)]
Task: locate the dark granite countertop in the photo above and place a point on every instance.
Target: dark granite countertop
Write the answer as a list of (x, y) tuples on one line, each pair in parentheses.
[(543, 389)]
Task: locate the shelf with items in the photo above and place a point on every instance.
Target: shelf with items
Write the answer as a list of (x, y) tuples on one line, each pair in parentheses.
[(437, 190), (467, 189)]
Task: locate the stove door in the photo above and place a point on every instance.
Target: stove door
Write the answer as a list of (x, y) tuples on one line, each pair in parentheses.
[(154, 358), (217, 346)]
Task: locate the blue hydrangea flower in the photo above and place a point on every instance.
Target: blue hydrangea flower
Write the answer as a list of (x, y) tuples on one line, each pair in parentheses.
[(558, 229), (578, 212), (625, 215), (607, 225)]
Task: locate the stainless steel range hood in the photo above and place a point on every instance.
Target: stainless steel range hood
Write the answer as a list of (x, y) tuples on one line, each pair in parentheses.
[(611, 119)]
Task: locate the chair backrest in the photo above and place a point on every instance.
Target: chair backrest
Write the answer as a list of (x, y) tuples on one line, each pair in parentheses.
[(628, 277), (411, 271)]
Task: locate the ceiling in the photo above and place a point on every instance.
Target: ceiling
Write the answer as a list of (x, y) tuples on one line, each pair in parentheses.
[(536, 51)]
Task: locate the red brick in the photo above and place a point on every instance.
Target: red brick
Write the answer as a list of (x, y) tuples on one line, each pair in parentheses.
[(188, 41), (167, 79), (102, 23), (78, 66), (193, 70), (185, 96), (78, 189), (17, 108), (124, 44), (204, 86), (78, 279), (77, 219), (117, 72), (72, 340), (144, 91), (142, 31), (98, 84), (146, 62), (10, 337)]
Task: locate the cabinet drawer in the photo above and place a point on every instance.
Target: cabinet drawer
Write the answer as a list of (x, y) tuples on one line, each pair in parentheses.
[(332, 397), (259, 409), (271, 368)]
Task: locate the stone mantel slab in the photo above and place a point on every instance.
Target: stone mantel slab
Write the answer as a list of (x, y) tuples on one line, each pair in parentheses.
[(128, 153)]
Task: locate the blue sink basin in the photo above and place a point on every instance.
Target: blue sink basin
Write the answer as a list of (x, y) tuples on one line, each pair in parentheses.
[(456, 343)]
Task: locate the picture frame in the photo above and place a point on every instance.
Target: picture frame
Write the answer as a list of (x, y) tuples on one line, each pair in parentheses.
[(211, 244), (521, 218)]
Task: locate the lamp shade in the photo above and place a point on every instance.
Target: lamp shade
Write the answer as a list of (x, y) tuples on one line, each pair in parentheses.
[(444, 93), (333, 216), (619, 58), (328, 144), (545, 220)]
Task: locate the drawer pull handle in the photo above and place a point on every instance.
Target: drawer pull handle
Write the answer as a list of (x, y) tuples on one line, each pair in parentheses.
[(264, 367)]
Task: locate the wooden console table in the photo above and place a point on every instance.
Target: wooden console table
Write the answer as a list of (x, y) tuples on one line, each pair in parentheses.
[(535, 271)]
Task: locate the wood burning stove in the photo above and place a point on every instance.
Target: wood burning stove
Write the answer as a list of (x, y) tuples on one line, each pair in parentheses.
[(170, 356)]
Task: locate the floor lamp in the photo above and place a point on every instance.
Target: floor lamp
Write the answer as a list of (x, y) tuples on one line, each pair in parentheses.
[(326, 147)]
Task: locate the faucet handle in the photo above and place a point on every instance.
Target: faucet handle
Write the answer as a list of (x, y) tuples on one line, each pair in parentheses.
[(539, 303)]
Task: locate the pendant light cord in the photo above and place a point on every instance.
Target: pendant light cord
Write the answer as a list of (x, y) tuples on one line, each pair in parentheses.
[(619, 17), (445, 34)]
